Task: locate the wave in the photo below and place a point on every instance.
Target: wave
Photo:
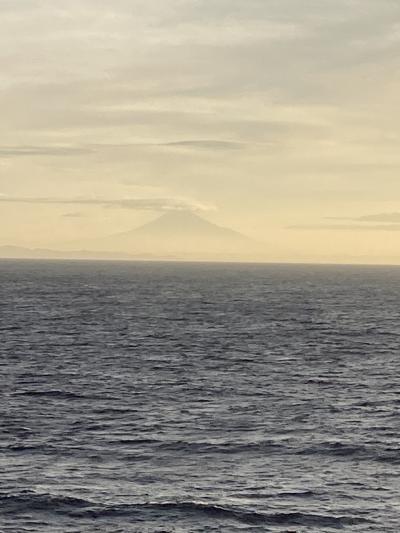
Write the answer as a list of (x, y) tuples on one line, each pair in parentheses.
[(222, 447), (341, 450), (33, 501), (361, 452), (63, 395), (80, 508), (52, 393), (277, 495), (354, 451), (247, 516), (205, 447), (29, 448)]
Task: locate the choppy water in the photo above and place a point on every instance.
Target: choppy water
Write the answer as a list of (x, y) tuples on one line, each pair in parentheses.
[(199, 398)]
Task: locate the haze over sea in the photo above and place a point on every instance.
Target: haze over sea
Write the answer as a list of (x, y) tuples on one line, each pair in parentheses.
[(166, 397)]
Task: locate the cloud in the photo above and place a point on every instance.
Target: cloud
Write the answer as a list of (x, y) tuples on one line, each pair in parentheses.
[(14, 151), (379, 217), (206, 144), (253, 54), (142, 204), (200, 144), (73, 215), (346, 227), (376, 222), (51, 150)]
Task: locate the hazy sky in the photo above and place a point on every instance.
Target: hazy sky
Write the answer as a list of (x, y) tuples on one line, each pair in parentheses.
[(278, 118)]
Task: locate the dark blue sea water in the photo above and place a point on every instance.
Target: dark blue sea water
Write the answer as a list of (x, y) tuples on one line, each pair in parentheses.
[(145, 397)]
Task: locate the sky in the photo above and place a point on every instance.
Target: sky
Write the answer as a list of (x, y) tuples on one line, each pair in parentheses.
[(276, 118)]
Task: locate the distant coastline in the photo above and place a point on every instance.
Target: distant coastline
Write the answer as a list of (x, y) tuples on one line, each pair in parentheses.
[(27, 254)]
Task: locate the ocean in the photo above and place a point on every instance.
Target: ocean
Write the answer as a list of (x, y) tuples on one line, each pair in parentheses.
[(167, 397)]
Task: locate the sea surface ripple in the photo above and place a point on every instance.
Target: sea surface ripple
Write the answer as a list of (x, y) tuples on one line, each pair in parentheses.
[(166, 397)]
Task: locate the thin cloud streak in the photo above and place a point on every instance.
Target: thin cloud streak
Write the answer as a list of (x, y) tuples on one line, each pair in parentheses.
[(142, 204), (200, 144), (206, 144), (345, 227), (73, 215), (16, 151), (379, 217), (49, 150)]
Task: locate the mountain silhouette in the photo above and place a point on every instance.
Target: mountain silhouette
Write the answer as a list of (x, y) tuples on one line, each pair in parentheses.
[(179, 235), (184, 224)]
